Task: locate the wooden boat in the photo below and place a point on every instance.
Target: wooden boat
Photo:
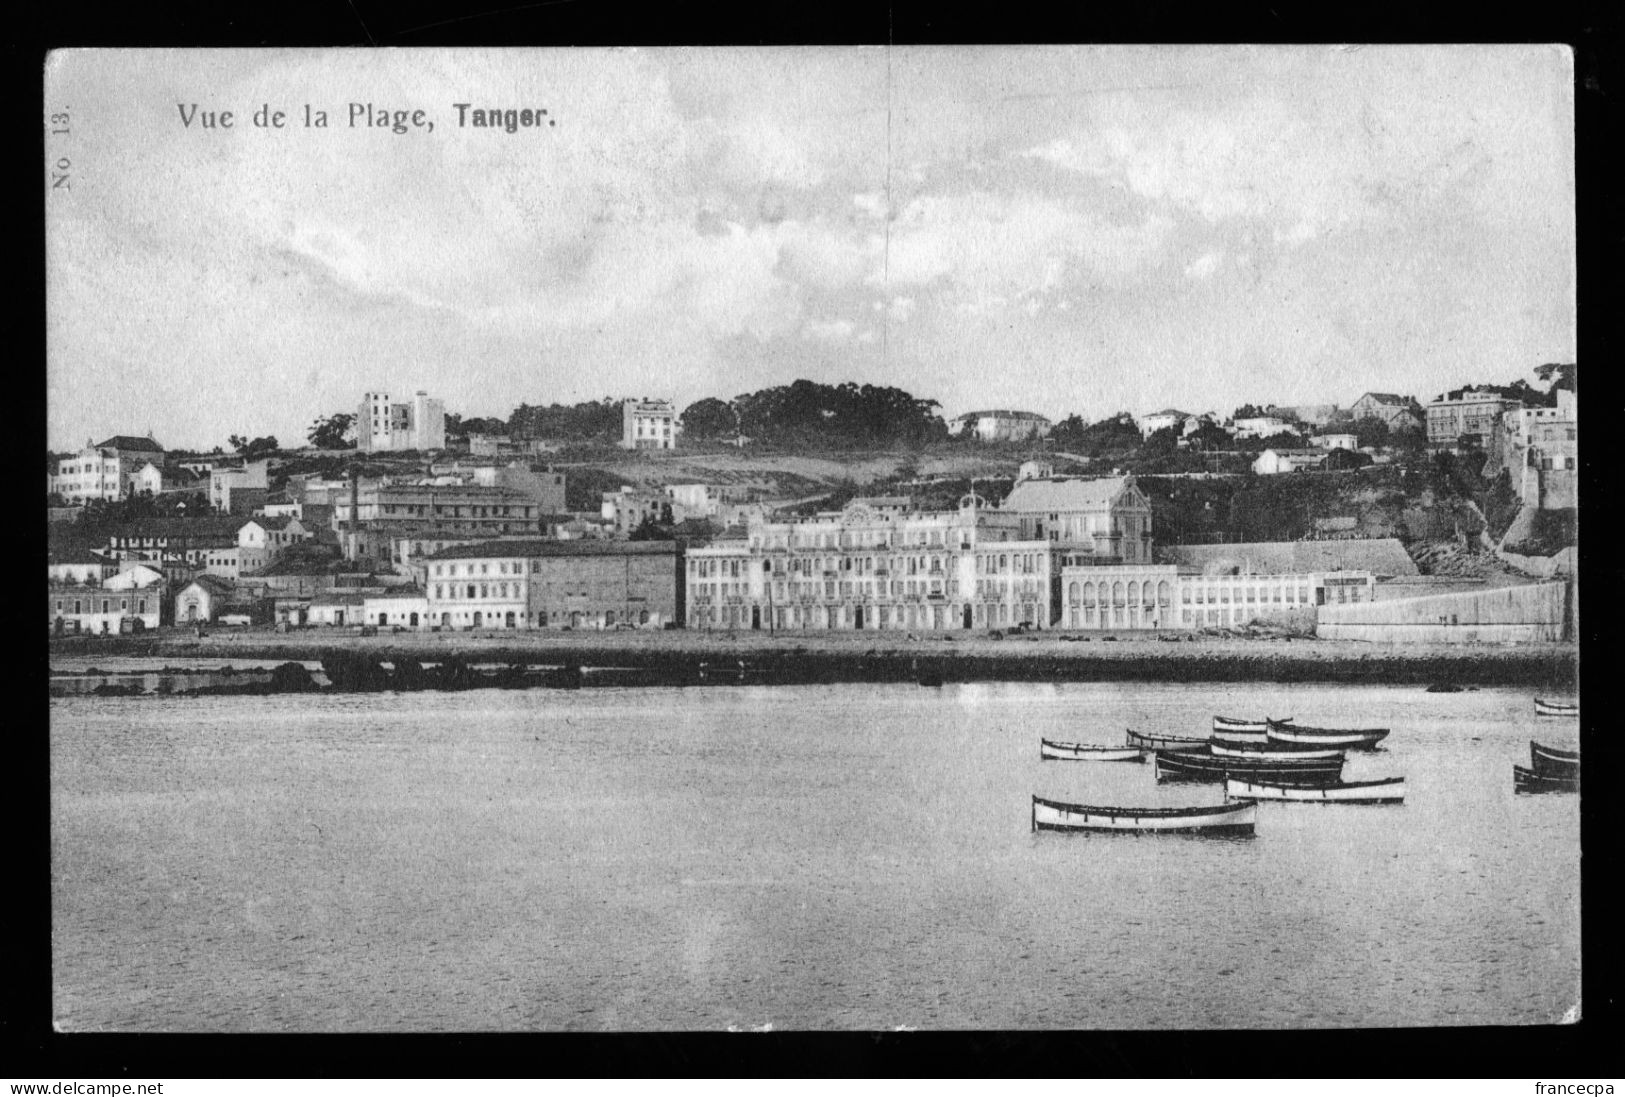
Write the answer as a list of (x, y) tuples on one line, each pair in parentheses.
[(1388, 790), (1230, 748), (1165, 742), (1220, 819), (1527, 780), (1284, 732), (1554, 761), (1555, 708), (1224, 724), (1051, 751), (1178, 766)]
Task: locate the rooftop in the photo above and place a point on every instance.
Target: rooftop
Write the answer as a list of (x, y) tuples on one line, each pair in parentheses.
[(1380, 556), (132, 443), (1059, 495), (536, 547), (1002, 414)]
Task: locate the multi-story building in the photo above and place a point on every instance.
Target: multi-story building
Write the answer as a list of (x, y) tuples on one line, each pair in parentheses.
[(375, 515), (1000, 425), (128, 601), (262, 540), (1110, 518), (105, 470), (1229, 600), (384, 424), (1464, 413), (556, 584), (648, 424), (545, 485), (189, 539), (876, 567), (1399, 412), (236, 489), (630, 507), (79, 567)]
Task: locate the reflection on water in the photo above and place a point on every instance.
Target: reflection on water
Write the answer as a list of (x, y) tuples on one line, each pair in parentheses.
[(852, 857)]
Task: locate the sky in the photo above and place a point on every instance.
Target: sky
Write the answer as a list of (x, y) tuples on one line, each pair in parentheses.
[(1061, 229)]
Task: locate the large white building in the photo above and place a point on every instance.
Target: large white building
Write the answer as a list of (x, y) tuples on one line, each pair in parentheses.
[(648, 424), (1000, 425), (384, 424), (106, 470)]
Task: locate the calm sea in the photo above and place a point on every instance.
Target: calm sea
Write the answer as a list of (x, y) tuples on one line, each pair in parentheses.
[(834, 857)]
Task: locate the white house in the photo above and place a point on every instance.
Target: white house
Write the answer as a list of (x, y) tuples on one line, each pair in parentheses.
[(408, 608), (1273, 461), (202, 599), (1001, 426), (1162, 420), (1335, 441), (79, 567), (1262, 426)]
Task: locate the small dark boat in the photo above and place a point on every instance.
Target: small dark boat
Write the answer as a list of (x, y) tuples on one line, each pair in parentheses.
[(1388, 790), (1281, 731), (1233, 748), (1222, 819), (1178, 766), (1555, 708), (1165, 742), (1051, 751), (1554, 761), (1527, 780), (1444, 687)]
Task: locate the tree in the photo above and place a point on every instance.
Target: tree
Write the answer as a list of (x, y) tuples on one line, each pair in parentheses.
[(651, 530), (1160, 442), (254, 449), (1559, 374), (1209, 436), (1116, 435), (332, 432), (1068, 433), (1248, 411), (709, 419), (1370, 431)]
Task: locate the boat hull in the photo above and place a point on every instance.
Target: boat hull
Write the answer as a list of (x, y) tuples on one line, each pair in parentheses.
[(1087, 752), (1228, 748), (1165, 742), (1287, 735), (1222, 820), (1553, 761), (1387, 791), (1527, 780), (1553, 708), (1227, 724), (1172, 766)]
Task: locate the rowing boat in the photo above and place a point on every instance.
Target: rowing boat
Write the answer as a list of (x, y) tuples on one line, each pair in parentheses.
[(1280, 731), (1220, 819), (1388, 790), (1555, 708), (1165, 742), (1051, 751), (1235, 723), (1231, 748), (1553, 761), (1527, 780), (1178, 766)]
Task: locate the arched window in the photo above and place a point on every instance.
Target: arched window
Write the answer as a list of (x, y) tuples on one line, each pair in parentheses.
[(1072, 593), (1088, 594), (1133, 593), (1117, 593), (1163, 598)]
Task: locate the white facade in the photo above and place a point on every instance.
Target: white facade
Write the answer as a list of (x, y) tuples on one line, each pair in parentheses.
[(223, 481), (1001, 425), (1162, 420), (1262, 426), (385, 424), (90, 474), (1274, 461), (1335, 441), (648, 424), (396, 611)]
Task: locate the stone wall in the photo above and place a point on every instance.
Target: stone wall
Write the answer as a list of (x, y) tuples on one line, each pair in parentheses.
[(1495, 615)]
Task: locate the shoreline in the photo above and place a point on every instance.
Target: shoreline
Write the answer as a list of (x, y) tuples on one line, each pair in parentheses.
[(702, 658)]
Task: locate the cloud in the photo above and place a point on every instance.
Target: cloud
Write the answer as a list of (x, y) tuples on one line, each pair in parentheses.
[(829, 331), (1204, 267)]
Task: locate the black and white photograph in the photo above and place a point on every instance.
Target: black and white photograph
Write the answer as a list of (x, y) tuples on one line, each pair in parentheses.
[(838, 539)]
